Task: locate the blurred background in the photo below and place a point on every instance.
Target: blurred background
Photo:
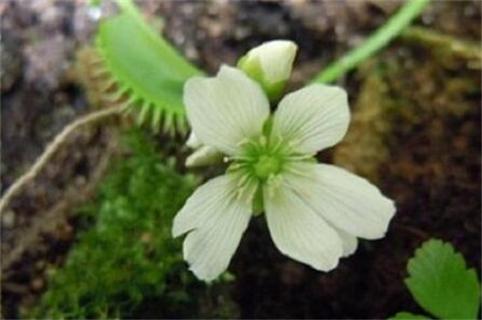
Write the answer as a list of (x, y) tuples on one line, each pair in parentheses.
[(416, 133)]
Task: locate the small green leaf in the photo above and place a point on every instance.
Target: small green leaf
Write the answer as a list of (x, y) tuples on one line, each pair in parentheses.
[(408, 316), (441, 283)]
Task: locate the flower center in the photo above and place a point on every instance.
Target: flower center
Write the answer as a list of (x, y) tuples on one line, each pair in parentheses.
[(266, 165), (260, 159)]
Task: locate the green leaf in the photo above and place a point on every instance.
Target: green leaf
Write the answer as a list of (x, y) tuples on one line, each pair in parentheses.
[(441, 283), (408, 316), (145, 68)]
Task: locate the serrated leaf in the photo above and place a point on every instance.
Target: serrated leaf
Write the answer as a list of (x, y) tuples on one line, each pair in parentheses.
[(408, 316), (145, 67), (441, 283)]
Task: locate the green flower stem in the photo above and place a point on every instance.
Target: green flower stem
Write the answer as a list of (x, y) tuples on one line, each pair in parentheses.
[(378, 40)]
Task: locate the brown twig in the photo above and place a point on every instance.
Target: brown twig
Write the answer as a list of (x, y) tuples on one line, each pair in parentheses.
[(433, 39), (73, 196), (41, 161)]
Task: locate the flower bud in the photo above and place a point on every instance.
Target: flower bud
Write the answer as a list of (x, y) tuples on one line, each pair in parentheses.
[(203, 155), (270, 64), (193, 141)]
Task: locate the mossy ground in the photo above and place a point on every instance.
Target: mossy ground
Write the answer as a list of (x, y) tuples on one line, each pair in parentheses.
[(126, 255)]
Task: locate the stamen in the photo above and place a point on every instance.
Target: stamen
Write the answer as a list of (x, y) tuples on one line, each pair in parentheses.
[(240, 158), (246, 189), (297, 171), (299, 157), (238, 165), (243, 180), (276, 147)]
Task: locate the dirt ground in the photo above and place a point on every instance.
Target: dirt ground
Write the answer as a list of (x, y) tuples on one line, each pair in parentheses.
[(416, 132)]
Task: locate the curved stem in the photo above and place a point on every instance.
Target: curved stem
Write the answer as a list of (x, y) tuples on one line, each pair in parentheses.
[(50, 150), (393, 27)]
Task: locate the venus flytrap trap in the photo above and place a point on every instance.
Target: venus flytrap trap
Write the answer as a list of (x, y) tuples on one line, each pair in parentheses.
[(144, 72), (315, 212)]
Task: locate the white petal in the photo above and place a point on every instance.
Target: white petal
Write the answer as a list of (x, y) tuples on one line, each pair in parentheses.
[(313, 118), (215, 218), (350, 243), (347, 201), (226, 109), (300, 233), (203, 156), (276, 59)]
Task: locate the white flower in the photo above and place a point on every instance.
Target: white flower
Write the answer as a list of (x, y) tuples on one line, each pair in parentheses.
[(270, 64), (315, 212)]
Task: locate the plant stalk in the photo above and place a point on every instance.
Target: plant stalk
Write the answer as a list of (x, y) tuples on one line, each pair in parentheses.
[(392, 28)]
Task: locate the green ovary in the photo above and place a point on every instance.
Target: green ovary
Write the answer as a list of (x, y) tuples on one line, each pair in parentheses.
[(261, 159), (266, 165)]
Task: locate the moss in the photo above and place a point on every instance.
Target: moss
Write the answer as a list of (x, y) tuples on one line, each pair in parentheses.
[(423, 88), (127, 261)]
